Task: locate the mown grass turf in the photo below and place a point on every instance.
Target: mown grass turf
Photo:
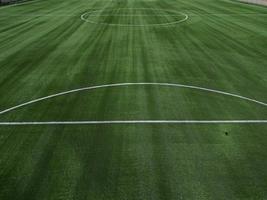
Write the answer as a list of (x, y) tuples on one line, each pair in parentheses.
[(45, 48)]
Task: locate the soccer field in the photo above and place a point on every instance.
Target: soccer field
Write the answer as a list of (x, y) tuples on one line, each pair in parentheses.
[(133, 100)]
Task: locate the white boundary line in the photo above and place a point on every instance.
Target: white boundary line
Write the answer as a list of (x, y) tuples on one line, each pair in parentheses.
[(189, 15), (134, 25), (228, 14), (136, 122)]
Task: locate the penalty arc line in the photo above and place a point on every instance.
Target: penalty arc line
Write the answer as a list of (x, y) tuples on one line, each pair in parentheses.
[(132, 84), (133, 121)]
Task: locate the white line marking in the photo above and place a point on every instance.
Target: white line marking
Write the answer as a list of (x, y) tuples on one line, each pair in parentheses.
[(134, 25), (18, 4), (190, 15), (229, 14), (136, 122), (133, 15), (132, 84)]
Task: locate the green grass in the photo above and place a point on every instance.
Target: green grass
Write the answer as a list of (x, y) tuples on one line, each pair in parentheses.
[(45, 48)]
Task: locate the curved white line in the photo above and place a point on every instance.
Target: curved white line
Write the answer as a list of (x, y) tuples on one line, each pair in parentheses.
[(135, 25), (129, 84), (136, 122)]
